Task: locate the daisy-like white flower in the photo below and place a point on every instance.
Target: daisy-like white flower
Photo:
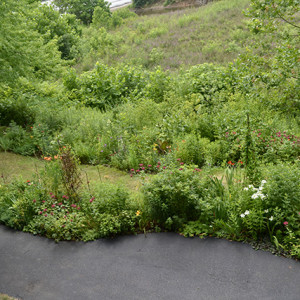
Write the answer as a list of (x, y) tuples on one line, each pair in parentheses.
[(247, 212), (251, 186), (260, 188), (263, 181), (254, 196), (242, 216), (271, 218), (266, 210), (246, 189)]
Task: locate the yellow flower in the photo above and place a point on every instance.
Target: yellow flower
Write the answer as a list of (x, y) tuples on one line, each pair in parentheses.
[(138, 213)]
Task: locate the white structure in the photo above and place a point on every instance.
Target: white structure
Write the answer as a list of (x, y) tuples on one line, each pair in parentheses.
[(113, 3)]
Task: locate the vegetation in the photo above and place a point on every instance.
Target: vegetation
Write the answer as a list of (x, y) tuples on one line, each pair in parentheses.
[(170, 126)]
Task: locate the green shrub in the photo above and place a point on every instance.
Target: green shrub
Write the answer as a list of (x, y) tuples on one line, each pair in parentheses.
[(172, 196)]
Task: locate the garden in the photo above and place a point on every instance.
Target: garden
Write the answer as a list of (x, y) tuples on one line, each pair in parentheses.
[(202, 148)]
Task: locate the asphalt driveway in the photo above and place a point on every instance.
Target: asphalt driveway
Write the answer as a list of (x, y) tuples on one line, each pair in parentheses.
[(159, 266)]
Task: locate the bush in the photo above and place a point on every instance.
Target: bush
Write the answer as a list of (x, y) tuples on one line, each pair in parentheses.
[(171, 197)]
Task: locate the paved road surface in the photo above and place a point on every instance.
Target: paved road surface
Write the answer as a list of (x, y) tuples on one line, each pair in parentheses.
[(160, 266)]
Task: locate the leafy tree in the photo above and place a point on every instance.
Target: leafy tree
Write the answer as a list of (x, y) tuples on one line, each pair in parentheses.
[(63, 27), (83, 9), (277, 67), (23, 52), (268, 14)]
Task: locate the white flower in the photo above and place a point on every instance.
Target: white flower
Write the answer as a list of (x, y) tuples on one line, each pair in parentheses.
[(247, 212), (260, 188), (242, 216), (266, 210), (254, 196), (263, 181), (271, 218), (251, 186), (246, 189)]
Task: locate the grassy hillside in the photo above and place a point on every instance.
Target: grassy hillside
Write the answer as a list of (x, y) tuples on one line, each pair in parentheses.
[(213, 33)]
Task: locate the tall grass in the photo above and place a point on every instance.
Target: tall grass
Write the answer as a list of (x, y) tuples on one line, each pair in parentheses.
[(212, 33)]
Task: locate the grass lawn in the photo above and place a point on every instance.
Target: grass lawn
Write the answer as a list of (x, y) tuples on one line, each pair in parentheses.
[(6, 297), (14, 165)]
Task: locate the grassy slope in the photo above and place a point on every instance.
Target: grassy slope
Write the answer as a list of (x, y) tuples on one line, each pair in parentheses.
[(213, 33)]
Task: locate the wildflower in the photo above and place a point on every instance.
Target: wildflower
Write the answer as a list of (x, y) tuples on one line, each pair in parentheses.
[(46, 215), (242, 215), (140, 165), (34, 201), (149, 166), (101, 151), (266, 210), (246, 189), (62, 225), (138, 212), (132, 170), (180, 169), (271, 218), (178, 159), (165, 167), (45, 209), (143, 168), (131, 175), (260, 188), (59, 204), (254, 196), (285, 223), (52, 196), (53, 205), (181, 163), (247, 212), (40, 212), (78, 207), (43, 201), (263, 181)]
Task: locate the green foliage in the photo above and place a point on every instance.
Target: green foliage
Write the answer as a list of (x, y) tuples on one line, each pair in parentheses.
[(82, 9), (62, 27), (23, 50), (172, 196)]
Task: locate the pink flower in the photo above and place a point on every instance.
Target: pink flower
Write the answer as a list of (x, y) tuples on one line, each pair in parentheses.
[(181, 163), (62, 225), (59, 203), (52, 196), (178, 159), (46, 215), (140, 165), (149, 166), (164, 167), (43, 201), (143, 168), (130, 175), (78, 207), (132, 170), (53, 205), (45, 209), (40, 212), (34, 201), (51, 213), (180, 169), (285, 223)]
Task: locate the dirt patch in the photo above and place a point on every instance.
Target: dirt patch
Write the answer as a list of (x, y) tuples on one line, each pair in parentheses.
[(159, 7)]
